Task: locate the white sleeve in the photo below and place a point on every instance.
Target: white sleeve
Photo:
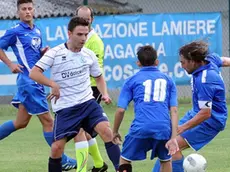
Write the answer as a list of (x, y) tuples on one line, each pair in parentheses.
[(95, 70), (47, 60)]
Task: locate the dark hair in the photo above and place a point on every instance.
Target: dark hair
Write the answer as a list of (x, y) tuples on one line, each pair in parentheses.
[(147, 55), (77, 21), (19, 2), (87, 7), (196, 51)]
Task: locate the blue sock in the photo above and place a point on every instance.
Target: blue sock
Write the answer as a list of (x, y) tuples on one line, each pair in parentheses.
[(113, 152), (177, 165), (49, 139), (6, 129)]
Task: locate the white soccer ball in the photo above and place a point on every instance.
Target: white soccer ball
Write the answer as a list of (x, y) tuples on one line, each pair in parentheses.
[(194, 163)]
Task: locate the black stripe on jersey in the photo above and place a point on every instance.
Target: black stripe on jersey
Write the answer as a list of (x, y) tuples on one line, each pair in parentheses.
[(58, 55), (68, 78), (48, 56), (40, 68), (70, 69), (74, 85), (62, 63), (44, 63), (67, 95)]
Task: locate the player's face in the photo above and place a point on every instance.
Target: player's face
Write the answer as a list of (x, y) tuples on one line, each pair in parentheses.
[(78, 36), (85, 14), (188, 65), (26, 12)]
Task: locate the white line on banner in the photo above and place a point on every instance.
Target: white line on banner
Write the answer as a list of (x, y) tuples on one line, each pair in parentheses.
[(8, 79)]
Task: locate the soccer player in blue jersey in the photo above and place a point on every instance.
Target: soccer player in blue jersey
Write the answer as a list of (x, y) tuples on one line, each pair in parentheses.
[(26, 43), (155, 100), (209, 112)]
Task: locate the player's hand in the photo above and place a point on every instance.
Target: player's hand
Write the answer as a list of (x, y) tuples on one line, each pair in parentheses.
[(16, 68), (43, 50), (55, 92), (117, 139), (106, 99), (180, 129), (172, 146)]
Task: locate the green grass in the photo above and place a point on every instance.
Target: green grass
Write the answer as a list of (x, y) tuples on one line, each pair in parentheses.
[(27, 151)]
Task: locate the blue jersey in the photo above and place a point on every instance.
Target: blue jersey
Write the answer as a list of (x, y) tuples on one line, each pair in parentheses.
[(208, 86), (153, 93), (26, 44)]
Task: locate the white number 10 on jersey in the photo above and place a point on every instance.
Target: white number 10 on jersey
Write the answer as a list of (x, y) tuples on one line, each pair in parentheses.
[(159, 91)]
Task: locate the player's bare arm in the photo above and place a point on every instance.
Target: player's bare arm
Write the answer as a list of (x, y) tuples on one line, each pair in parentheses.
[(201, 116), (172, 144), (15, 68), (37, 75), (101, 85), (119, 115), (226, 61)]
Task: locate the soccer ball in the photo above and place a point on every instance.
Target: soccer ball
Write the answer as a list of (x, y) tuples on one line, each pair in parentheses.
[(194, 163)]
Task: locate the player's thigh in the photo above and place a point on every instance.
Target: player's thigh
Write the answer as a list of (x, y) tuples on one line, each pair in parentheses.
[(199, 136), (104, 130), (96, 121), (46, 119), (22, 118), (33, 98), (134, 149)]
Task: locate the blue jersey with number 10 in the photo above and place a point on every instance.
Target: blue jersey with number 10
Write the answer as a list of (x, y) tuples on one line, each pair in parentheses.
[(153, 93)]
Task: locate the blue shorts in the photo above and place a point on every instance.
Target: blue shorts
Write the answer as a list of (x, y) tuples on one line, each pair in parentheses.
[(68, 121), (198, 136), (136, 149), (33, 97)]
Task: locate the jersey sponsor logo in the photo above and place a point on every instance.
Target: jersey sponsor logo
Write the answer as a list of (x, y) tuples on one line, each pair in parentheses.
[(36, 43), (63, 58), (72, 73)]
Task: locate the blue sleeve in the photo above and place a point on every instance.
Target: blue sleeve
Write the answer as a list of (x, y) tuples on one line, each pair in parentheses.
[(173, 94), (125, 97), (8, 39), (206, 91), (214, 58)]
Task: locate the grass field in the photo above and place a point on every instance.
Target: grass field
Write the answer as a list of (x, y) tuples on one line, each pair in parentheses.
[(27, 151)]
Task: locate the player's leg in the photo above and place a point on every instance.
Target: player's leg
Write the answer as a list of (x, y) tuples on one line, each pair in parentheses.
[(81, 147), (21, 121), (99, 164), (125, 166), (55, 158), (36, 94), (113, 150), (98, 121)]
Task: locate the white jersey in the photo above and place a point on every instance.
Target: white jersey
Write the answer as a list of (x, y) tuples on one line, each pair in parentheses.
[(71, 71)]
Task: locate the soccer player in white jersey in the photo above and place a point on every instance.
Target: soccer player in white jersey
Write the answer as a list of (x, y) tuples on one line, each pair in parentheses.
[(71, 95), (95, 44)]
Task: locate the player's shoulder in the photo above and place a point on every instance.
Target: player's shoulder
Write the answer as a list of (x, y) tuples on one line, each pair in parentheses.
[(58, 49), (87, 52)]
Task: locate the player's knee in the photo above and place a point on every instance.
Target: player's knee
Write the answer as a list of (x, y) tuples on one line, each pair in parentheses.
[(57, 149), (106, 134), (46, 121), (125, 168)]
